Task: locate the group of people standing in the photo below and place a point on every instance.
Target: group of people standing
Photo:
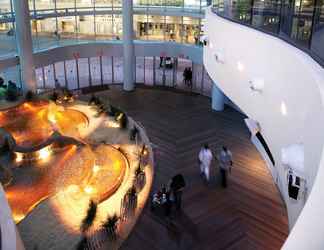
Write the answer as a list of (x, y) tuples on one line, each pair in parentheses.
[(224, 158), (171, 195)]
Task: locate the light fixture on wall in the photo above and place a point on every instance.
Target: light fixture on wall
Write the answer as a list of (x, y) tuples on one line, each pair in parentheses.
[(219, 57), (240, 66), (257, 85), (283, 108)]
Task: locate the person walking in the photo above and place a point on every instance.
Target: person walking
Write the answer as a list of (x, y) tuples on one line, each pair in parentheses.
[(177, 185), (189, 77), (185, 76), (205, 157), (225, 164)]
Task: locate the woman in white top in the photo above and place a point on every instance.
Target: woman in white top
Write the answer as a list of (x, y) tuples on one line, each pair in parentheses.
[(205, 157)]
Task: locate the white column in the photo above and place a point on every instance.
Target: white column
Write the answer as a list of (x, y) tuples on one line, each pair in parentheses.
[(218, 99), (128, 46), (25, 45)]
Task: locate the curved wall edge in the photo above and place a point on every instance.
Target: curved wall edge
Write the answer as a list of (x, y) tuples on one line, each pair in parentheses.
[(8, 227), (288, 105)]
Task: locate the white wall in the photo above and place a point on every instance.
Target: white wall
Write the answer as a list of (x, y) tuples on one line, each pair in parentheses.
[(290, 77), (8, 227)]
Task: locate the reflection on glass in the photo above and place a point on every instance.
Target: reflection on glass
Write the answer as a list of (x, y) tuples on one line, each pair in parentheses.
[(298, 21), (318, 32)]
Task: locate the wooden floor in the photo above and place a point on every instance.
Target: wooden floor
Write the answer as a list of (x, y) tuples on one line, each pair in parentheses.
[(249, 214)]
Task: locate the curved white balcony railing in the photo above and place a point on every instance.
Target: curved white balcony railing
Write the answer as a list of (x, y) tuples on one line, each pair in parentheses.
[(289, 107)]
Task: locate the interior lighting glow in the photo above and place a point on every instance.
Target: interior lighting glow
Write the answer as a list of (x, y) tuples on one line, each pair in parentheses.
[(240, 66), (113, 124), (19, 157), (96, 168), (88, 189), (44, 153), (283, 108)]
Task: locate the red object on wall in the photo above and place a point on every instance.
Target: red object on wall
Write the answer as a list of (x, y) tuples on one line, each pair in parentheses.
[(76, 55)]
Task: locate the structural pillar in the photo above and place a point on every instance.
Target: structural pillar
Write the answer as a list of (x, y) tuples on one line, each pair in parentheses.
[(218, 99), (128, 46), (25, 45)]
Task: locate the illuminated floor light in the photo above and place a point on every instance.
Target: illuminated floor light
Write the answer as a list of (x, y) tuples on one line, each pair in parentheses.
[(96, 168), (112, 124), (44, 153), (19, 157), (88, 189)]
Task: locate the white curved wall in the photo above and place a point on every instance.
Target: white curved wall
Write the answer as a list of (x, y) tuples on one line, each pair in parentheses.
[(291, 79), (8, 227)]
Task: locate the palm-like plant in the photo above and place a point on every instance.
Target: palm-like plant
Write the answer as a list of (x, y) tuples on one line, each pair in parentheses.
[(110, 227), (90, 217), (83, 243)]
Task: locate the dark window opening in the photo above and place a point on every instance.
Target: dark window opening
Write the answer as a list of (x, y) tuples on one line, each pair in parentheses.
[(265, 146)]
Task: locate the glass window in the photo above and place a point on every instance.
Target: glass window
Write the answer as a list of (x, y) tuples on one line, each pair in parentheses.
[(156, 27), (302, 22), (12, 74), (191, 30), (7, 39), (5, 8), (102, 5), (85, 25), (117, 4), (118, 26), (318, 32), (65, 6), (44, 32), (241, 10), (104, 27), (173, 28), (66, 27), (266, 15), (44, 5), (140, 27), (192, 4), (84, 5)]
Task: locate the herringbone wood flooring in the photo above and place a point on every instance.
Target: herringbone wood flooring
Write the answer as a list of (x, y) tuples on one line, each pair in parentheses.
[(249, 214)]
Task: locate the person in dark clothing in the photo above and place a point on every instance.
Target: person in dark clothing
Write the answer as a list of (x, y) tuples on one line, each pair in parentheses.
[(185, 76), (189, 72), (225, 164), (176, 187)]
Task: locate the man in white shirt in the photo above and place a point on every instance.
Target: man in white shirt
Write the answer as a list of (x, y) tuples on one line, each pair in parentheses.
[(225, 164), (205, 157)]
